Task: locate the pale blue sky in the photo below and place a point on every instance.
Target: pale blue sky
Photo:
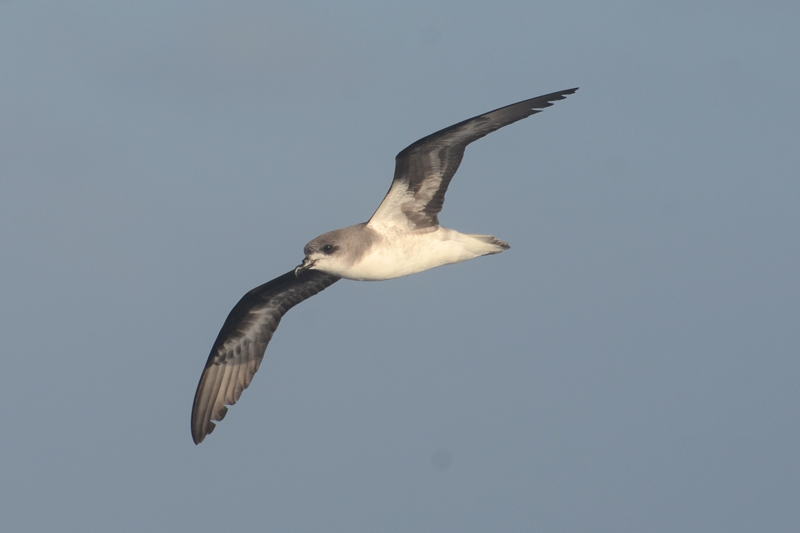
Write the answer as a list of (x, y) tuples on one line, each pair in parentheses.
[(631, 364)]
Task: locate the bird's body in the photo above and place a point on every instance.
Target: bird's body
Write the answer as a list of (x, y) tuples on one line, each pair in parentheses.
[(403, 237), (386, 252)]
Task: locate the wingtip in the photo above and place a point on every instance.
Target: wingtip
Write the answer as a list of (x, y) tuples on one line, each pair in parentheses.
[(199, 436), (563, 94)]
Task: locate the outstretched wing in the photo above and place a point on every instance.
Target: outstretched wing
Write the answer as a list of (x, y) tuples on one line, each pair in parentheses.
[(424, 169), (242, 341)]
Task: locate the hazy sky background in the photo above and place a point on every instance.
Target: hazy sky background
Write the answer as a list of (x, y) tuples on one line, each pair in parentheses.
[(631, 364)]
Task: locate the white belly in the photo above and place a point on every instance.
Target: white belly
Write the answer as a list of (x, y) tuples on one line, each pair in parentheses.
[(403, 253)]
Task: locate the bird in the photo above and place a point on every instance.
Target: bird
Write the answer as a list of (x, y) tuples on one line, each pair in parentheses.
[(402, 237)]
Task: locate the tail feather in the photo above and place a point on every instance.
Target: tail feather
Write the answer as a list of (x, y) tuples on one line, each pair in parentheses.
[(490, 243)]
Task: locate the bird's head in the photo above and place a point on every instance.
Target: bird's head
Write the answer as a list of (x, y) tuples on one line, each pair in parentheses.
[(325, 253)]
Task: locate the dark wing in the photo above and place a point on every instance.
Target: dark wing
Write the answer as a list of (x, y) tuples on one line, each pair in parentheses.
[(424, 169), (242, 341)]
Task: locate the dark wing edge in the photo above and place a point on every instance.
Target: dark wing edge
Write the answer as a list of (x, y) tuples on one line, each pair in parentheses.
[(242, 341), (439, 154)]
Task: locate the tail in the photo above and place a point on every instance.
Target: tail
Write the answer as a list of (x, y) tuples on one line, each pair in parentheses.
[(488, 244)]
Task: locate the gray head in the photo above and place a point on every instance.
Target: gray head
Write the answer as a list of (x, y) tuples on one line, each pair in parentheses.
[(334, 252)]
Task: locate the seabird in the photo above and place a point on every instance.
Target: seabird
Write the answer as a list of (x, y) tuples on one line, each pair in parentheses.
[(403, 237)]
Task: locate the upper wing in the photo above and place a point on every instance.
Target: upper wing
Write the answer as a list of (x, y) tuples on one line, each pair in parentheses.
[(424, 169), (242, 341)]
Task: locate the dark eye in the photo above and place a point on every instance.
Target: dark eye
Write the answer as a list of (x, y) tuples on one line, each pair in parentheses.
[(328, 248)]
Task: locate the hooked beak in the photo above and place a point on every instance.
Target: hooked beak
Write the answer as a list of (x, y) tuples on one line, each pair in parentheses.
[(302, 267)]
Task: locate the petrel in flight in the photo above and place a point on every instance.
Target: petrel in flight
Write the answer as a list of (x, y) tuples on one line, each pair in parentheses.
[(403, 237)]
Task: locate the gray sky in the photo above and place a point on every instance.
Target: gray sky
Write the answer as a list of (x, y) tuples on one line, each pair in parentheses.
[(631, 364)]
